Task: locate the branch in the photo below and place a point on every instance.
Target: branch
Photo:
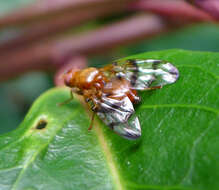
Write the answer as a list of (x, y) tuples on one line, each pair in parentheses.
[(47, 29), (173, 9), (210, 6), (108, 37), (50, 55), (45, 10)]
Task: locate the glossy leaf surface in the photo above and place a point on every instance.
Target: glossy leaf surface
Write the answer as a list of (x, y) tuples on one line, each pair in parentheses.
[(52, 148)]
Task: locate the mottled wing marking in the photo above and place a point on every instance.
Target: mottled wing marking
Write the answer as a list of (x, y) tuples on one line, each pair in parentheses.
[(147, 73), (119, 116)]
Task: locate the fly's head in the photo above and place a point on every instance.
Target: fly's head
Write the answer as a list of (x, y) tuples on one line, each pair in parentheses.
[(69, 78)]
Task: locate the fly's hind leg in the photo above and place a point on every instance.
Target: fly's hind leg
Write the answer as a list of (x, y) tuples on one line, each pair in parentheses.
[(92, 121), (68, 100), (153, 88), (94, 109)]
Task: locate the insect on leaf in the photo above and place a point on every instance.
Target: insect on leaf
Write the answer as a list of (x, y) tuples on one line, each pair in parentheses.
[(178, 149)]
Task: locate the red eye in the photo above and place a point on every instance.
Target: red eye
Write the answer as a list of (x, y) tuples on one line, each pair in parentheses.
[(68, 77)]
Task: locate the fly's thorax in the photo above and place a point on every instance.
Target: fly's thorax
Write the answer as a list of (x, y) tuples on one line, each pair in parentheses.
[(119, 88), (88, 78)]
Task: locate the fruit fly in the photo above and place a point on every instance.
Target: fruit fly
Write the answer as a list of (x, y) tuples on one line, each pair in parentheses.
[(111, 91)]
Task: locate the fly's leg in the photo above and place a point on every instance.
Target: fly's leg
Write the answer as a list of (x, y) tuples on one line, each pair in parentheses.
[(68, 100), (153, 88), (133, 96), (94, 109), (92, 121)]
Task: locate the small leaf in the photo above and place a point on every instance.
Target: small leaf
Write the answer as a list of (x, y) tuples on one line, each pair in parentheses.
[(178, 150)]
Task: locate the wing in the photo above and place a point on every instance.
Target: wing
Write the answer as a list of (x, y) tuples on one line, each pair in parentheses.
[(119, 116), (144, 73)]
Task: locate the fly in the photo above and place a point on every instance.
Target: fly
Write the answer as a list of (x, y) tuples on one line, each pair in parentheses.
[(111, 91)]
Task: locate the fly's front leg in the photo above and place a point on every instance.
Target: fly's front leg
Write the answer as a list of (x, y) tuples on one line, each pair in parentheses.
[(68, 100)]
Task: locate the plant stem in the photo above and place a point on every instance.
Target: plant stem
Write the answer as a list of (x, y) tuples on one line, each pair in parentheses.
[(49, 28), (45, 10), (177, 9), (50, 55)]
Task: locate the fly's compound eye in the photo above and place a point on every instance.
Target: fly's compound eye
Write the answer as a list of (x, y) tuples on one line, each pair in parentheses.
[(67, 79)]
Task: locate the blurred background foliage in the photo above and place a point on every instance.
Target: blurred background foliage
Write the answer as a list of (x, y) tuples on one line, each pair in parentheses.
[(17, 94), (7, 6)]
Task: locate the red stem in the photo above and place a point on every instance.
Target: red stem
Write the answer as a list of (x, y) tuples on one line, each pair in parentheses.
[(174, 9), (49, 28), (53, 54), (210, 6), (45, 9), (108, 37)]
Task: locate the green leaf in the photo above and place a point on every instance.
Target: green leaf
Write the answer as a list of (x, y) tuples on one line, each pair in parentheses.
[(178, 149)]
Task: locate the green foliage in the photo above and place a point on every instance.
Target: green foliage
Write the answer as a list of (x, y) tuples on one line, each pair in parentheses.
[(16, 96), (201, 37), (178, 148)]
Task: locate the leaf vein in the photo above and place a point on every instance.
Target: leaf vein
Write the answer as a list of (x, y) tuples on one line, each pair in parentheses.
[(192, 153), (194, 106), (106, 151)]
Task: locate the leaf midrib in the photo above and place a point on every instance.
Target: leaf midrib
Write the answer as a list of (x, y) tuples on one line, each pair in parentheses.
[(109, 157), (105, 148)]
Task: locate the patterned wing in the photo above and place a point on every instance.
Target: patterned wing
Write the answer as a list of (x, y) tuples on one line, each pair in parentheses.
[(144, 73), (119, 116)]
